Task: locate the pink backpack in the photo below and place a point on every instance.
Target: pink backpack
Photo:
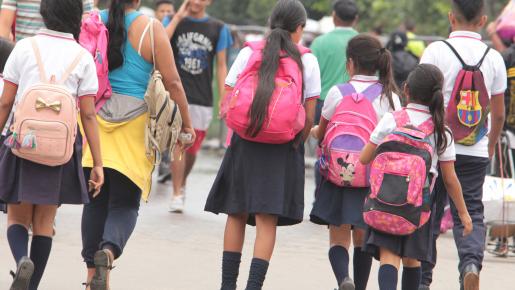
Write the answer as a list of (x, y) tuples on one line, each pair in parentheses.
[(400, 179), (94, 37), (286, 116), (45, 120), (348, 131)]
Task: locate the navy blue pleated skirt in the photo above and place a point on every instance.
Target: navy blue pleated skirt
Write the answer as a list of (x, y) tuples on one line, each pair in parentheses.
[(337, 206), (25, 181), (257, 178)]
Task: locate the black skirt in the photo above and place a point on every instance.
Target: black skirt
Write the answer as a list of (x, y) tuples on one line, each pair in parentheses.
[(337, 206), (257, 178), (25, 181), (418, 246)]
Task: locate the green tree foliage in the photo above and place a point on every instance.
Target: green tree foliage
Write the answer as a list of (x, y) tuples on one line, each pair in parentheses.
[(430, 15)]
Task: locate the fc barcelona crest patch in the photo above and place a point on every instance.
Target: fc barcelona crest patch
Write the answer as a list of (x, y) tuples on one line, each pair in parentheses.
[(469, 109)]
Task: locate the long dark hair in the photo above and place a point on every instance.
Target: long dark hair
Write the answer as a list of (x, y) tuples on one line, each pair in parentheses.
[(370, 57), (424, 86), (62, 15), (286, 17), (117, 32)]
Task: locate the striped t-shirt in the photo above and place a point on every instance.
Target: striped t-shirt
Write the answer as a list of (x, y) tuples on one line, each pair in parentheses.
[(28, 19)]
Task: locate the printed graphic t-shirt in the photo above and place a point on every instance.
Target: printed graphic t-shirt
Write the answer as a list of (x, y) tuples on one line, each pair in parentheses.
[(195, 44)]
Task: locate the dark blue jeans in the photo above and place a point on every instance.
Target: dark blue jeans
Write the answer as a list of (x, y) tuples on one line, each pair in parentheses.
[(439, 203), (109, 219), (471, 173)]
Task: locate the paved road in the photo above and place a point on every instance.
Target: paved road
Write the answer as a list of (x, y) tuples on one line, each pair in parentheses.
[(183, 252)]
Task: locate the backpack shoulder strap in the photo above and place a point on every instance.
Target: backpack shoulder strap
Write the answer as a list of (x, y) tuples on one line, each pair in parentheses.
[(255, 45), (463, 64), (478, 65), (373, 91), (427, 127), (401, 118), (303, 50), (37, 54), (346, 89), (150, 26), (71, 67)]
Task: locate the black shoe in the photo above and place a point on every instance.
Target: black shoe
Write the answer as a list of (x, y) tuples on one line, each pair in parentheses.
[(23, 274), (347, 284), (470, 278), (103, 265), (423, 287)]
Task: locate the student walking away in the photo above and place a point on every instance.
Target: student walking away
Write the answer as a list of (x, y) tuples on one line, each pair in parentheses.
[(197, 39), (25, 16), (360, 103), (415, 46), (51, 73), (164, 11), (330, 51), (6, 47), (110, 218), (405, 149), (261, 179), (474, 86), (403, 61)]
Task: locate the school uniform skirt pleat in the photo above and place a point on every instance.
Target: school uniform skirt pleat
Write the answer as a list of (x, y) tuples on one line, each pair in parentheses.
[(257, 178), (25, 181), (335, 205)]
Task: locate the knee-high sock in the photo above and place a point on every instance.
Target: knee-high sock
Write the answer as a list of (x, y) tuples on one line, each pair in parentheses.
[(257, 274), (410, 278), (387, 277), (230, 270), (39, 253), (339, 258), (362, 264), (18, 238)]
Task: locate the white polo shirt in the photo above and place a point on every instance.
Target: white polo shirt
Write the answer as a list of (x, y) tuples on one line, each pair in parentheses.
[(58, 51), (470, 47)]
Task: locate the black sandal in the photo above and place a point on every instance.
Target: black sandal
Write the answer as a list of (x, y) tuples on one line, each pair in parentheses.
[(103, 264)]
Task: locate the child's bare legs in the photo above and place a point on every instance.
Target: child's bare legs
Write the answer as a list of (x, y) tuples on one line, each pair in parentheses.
[(234, 237), (388, 272), (177, 166), (362, 261), (389, 269), (266, 226), (339, 242), (20, 216)]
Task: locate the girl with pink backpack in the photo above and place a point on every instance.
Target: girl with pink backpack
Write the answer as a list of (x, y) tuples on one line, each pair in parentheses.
[(405, 149), (349, 116), (273, 86), (40, 160)]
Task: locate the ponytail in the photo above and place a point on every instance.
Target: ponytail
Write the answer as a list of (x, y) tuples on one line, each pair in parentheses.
[(425, 87), (437, 110), (286, 17), (117, 32), (384, 66), (370, 57)]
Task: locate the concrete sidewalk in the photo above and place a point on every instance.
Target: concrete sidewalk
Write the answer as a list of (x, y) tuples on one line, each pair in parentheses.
[(183, 252)]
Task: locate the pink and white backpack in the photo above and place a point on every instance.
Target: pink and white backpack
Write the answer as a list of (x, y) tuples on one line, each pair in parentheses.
[(94, 37), (286, 115), (348, 131), (400, 179), (45, 120)]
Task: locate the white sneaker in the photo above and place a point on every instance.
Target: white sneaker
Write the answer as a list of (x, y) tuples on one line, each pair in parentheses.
[(177, 204)]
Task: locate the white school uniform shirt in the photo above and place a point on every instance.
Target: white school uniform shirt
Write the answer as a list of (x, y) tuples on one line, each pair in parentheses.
[(311, 74), (418, 114), (470, 47), (58, 51), (360, 83)]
